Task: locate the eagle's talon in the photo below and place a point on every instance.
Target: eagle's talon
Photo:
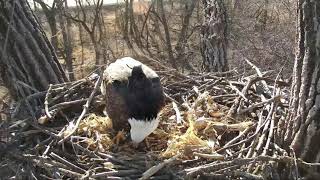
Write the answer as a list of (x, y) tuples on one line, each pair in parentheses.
[(135, 145), (119, 137), (146, 140)]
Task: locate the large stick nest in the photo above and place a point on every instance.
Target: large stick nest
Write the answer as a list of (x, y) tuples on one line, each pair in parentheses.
[(214, 125)]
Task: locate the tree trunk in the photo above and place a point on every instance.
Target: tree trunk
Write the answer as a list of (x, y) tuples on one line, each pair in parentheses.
[(54, 30), (50, 14), (28, 63), (182, 38), (167, 35), (67, 44), (303, 126), (214, 36), (96, 47), (103, 38), (126, 24)]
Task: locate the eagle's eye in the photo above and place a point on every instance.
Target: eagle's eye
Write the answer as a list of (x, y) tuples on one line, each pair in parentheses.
[(116, 83)]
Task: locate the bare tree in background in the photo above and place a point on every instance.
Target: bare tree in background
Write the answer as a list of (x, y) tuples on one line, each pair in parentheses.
[(89, 18), (214, 36), (261, 16), (302, 128), (125, 30), (65, 26), (153, 32), (183, 36), (50, 13), (28, 63), (163, 19)]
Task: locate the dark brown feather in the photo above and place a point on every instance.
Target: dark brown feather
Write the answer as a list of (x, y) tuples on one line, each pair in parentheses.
[(116, 108)]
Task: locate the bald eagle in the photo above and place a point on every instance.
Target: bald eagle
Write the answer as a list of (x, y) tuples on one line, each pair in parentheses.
[(134, 97)]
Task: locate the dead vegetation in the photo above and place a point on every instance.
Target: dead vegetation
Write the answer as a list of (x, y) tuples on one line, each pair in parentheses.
[(214, 125)]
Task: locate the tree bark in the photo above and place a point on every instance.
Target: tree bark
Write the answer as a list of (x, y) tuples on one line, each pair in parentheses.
[(214, 36), (28, 62), (50, 14), (167, 35), (67, 40), (182, 38), (126, 23), (303, 125)]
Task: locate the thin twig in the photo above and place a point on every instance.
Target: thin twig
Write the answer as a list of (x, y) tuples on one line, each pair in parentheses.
[(156, 168), (85, 109)]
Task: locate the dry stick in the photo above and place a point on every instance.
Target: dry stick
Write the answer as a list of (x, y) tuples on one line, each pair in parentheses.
[(67, 104), (112, 158), (188, 80), (249, 154), (85, 109), (27, 86), (211, 83), (89, 153), (169, 97), (263, 82), (46, 103), (230, 168), (213, 156), (251, 147), (254, 106), (279, 149), (215, 74), (44, 154), (191, 172), (295, 163), (244, 175), (240, 152), (67, 163), (224, 96), (43, 129), (156, 168), (234, 108), (73, 83), (245, 161), (45, 163), (265, 86), (178, 114), (73, 87), (261, 139), (243, 141), (238, 91), (268, 129), (270, 135), (118, 173), (271, 129), (65, 171), (241, 134)]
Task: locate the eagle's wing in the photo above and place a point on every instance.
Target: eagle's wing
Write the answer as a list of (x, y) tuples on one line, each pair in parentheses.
[(116, 107), (115, 76)]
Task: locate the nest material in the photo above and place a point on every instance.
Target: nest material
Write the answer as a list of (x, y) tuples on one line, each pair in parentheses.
[(213, 125)]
